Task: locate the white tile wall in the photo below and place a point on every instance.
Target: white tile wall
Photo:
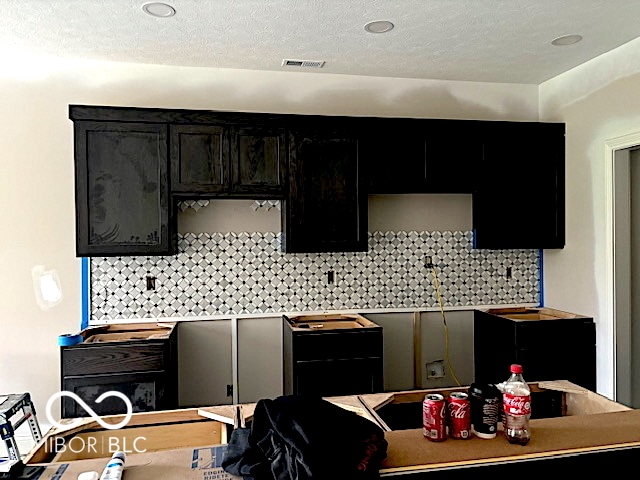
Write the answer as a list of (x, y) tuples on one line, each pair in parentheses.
[(241, 273)]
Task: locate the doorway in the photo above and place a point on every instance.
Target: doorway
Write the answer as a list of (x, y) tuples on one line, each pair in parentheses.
[(623, 259)]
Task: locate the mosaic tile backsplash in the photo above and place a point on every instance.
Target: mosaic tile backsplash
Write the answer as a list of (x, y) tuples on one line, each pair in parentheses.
[(246, 273)]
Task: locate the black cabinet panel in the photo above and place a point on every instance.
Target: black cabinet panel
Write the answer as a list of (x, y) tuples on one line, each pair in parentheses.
[(338, 377), (122, 189), (550, 345), (420, 155), (518, 201), (393, 153), (326, 206)]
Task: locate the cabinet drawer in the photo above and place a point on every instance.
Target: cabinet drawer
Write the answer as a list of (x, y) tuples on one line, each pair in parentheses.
[(97, 359), (561, 334), (338, 345), (339, 377), (147, 392)]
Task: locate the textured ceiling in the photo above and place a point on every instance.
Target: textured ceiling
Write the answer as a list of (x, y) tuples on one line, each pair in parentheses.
[(475, 40)]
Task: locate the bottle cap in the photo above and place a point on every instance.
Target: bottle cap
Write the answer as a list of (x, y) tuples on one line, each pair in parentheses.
[(89, 476), (515, 368)]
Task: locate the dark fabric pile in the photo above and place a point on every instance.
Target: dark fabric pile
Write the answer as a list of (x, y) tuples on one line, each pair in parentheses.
[(297, 437)]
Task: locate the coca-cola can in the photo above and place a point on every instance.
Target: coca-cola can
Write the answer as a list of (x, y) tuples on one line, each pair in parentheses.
[(486, 405), (459, 415), (434, 417)]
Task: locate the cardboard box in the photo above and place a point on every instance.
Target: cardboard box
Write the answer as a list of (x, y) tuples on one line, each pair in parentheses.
[(202, 463)]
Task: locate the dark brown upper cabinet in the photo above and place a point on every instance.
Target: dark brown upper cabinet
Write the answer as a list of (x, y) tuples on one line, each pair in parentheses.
[(325, 209), (258, 161), (132, 163), (122, 189), (417, 156), (394, 156), (199, 159), (212, 160), (519, 197)]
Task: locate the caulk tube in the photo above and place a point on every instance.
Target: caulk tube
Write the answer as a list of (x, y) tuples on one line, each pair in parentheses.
[(113, 470)]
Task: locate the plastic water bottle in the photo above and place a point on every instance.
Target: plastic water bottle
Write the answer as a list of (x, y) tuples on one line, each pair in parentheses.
[(516, 404), (113, 470)]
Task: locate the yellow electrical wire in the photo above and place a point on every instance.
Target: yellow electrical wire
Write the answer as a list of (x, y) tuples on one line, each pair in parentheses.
[(447, 360)]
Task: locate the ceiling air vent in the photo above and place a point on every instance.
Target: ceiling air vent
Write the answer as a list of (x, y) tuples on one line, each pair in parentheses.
[(288, 62)]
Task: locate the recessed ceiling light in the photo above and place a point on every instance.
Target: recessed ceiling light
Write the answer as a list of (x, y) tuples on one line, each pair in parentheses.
[(379, 26), (158, 9), (566, 40)]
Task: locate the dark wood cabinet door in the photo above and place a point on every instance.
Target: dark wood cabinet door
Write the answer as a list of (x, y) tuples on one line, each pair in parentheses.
[(453, 149), (326, 206), (393, 156), (122, 189), (199, 159), (420, 156), (258, 161), (519, 198)]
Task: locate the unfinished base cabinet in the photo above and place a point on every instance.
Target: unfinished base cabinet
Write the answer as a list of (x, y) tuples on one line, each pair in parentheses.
[(138, 360), (549, 344), (332, 355)]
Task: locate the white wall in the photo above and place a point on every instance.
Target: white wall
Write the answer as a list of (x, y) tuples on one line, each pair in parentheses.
[(36, 145), (599, 101)]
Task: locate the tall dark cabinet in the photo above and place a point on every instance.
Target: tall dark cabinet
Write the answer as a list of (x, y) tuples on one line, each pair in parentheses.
[(326, 206), (122, 189), (518, 198), (548, 343)]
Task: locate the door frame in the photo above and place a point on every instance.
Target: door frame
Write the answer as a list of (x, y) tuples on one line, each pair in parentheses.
[(617, 322)]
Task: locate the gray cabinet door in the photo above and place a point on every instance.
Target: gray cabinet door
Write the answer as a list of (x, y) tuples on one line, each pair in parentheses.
[(259, 359), (205, 366)]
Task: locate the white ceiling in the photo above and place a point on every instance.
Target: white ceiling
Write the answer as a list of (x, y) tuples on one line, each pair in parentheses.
[(475, 40)]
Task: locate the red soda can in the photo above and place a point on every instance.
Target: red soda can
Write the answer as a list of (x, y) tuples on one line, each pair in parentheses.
[(434, 417), (459, 415)]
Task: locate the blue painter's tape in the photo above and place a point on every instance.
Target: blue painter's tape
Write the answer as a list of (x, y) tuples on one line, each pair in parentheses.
[(540, 278), (69, 340), (84, 322)]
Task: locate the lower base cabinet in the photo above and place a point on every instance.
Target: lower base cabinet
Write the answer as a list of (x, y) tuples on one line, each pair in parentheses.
[(332, 355), (548, 343), (137, 360)]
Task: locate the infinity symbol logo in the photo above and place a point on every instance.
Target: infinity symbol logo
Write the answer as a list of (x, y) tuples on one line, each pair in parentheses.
[(89, 410)]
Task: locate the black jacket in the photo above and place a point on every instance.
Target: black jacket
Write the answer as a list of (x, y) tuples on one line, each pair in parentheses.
[(305, 438)]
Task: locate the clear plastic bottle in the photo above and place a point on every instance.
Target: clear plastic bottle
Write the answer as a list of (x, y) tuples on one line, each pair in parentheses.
[(516, 404)]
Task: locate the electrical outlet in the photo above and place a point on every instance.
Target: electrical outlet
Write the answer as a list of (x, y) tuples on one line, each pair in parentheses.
[(435, 369), (331, 277), (151, 283), (509, 273), (428, 261)]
